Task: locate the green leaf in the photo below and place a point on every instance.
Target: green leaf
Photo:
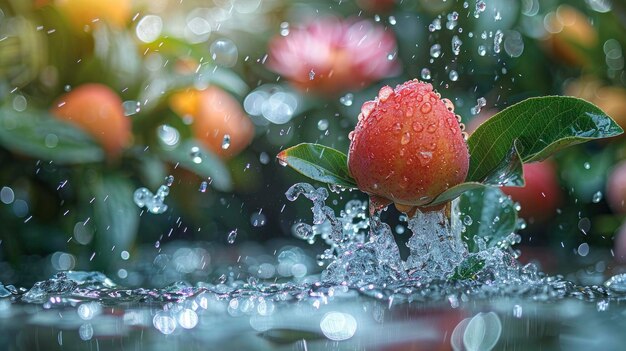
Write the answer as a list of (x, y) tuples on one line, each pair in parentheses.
[(487, 212), (115, 214), (320, 163), (40, 135), (203, 162), (468, 268), (536, 128)]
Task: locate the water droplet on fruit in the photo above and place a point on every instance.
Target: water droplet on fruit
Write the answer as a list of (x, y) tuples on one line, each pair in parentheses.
[(397, 127), (425, 157), (426, 107), (367, 108), (384, 93), (406, 137), (431, 128), (465, 136), (351, 135), (449, 104), (417, 126)]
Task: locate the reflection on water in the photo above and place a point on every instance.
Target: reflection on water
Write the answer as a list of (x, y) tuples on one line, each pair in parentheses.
[(257, 303)]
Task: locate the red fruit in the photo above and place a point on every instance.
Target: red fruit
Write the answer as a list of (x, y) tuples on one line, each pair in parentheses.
[(616, 189), (407, 147), (97, 110), (541, 196)]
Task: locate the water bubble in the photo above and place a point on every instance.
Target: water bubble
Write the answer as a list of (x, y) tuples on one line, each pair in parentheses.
[(454, 75), (195, 154), (482, 50), (583, 249), (480, 7), (425, 73), (338, 326), (597, 197), (19, 103), (347, 99), (203, 186), (392, 20), (435, 25), (322, 124), (232, 236), (467, 220), (226, 142), (224, 52), (187, 318), (149, 28), (164, 323), (131, 107), (587, 165), (480, 103), (456, 45), (497, 41), (435, 51), (264, 158), (168, 135), (514, 44), (284, 29)]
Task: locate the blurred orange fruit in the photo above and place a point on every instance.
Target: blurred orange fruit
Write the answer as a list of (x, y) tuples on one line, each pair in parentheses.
[(569, 34), (216, 116), (83, 13), (96, 109)]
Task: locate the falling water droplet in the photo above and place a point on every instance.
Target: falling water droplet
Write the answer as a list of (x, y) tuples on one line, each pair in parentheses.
[(435, 51), (482, 50), (169, 180), (195, 154), (597, 197), (203, 186), (226, 142), (347, 99), (232, 236), (322, 124), (587, 165), (454, 75), (224, 52), (425, 73)]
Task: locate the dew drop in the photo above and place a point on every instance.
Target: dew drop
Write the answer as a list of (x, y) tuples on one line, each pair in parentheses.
[(367, 108), (406, 137), (417, 126), (384, 93), (426, 108), (449, 105), (396, 128)]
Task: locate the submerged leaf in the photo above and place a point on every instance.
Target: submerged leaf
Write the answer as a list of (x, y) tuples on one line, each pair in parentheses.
[(468, 268), (319, 162)]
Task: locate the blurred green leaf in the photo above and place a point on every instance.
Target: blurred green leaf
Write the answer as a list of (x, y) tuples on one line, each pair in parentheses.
[(487, 212), (203, 162), (40, 135), (115, 214), (320, 163), (536, 128)]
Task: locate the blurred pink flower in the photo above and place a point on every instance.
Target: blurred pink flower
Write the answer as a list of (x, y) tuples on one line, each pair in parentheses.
[(331, 55)]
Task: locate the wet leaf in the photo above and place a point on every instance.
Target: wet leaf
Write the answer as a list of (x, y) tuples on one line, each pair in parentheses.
[(40, 135), (487, 212), (115, 214), (468, 268), (536, 128), (202, 162), (320, 163)]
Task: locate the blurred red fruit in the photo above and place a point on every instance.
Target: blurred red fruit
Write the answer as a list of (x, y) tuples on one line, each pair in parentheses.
[(98, 110), (616, 188), (541, 196), (330, 55), (408, 147), (216, 116)]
